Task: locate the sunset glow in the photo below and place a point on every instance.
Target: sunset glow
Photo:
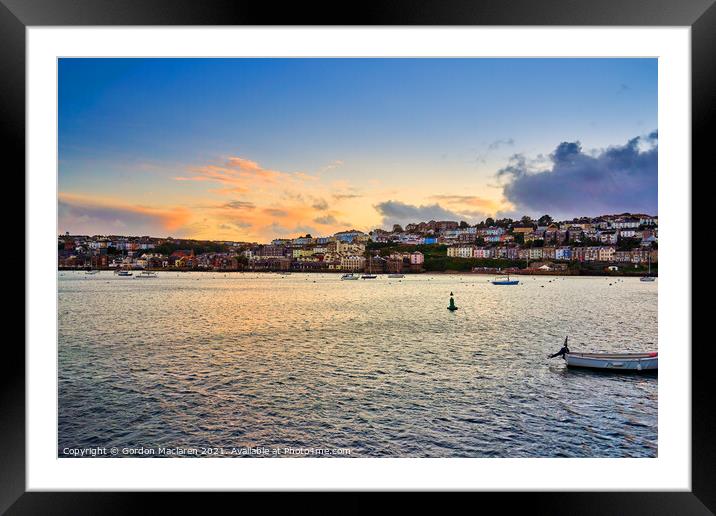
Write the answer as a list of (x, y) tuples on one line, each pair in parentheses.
[(255, 149)]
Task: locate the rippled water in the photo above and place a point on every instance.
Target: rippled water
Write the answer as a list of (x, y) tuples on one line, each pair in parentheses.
[(376, 366)]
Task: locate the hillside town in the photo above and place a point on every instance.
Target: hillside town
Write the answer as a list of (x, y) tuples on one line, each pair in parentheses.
[(609, 243)]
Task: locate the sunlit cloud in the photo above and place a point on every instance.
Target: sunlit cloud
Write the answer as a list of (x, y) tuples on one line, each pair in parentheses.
[(320, 204), (326, 219), (332, 165), (240, 205), (343, 196), (84, 214), (274, 212), (239, 175)]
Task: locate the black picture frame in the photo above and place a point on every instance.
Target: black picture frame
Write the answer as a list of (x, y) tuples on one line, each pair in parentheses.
[(700, 15)]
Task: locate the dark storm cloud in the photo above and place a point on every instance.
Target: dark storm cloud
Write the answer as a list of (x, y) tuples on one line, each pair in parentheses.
[(396, 212), (617, 179)]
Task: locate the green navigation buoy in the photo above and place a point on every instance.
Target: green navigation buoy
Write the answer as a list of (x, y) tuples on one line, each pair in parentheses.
[(452, 306)]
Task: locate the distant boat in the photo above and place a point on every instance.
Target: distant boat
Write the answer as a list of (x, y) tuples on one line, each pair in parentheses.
[(350, 276), (370, 274), (648, 276), (146, 274), (123, 271), (507, 281), (396, 275), (614, 361), (92, 271)]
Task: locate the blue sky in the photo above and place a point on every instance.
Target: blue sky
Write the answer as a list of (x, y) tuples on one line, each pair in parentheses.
[(156, 137)]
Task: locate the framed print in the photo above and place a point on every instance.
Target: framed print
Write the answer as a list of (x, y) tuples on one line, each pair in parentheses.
[(436, 248)]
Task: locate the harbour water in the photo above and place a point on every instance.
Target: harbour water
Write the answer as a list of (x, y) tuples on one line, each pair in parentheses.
[(379, 367)]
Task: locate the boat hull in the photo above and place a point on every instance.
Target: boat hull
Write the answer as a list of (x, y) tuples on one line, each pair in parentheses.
[(614, 361), (506, 282)]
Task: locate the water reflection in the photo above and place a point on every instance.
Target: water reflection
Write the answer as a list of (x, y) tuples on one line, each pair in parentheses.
[(381, 367)]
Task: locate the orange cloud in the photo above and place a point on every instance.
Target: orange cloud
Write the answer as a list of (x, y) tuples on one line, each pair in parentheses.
[(101, 213), (240, 174)]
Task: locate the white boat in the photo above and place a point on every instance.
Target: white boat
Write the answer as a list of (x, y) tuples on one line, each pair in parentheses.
[(146, 274), (614, 361), (648, 276), (396, 275), (124, 273), (92, 271), (507, 281), (350, 276)]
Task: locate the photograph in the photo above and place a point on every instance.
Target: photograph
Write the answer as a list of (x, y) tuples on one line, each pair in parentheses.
[(354, 257)]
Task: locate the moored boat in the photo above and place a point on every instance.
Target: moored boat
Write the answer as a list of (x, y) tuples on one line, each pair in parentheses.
[(396, 275), (507, 281), (350, 276), (648, 276), (614, 361), (146, 274), (370, 274)]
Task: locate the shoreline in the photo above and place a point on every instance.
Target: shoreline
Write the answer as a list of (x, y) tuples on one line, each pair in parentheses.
[(585, 274)]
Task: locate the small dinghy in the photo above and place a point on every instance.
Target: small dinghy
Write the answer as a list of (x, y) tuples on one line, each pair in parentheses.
[(614, 361), (146, 274), (609, 361)]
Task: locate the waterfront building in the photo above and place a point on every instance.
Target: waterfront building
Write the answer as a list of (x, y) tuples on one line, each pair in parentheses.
[(606, 254), (549, 253), (535, 253), (302, 252), (269, 251), (461, 251), (563, 253), (352, 263), (483, 252)]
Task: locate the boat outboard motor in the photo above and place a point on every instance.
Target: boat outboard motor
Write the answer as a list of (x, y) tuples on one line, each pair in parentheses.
[(563, 351)]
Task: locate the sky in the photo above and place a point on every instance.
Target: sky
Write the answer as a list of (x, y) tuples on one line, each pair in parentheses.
[(256, 149)]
